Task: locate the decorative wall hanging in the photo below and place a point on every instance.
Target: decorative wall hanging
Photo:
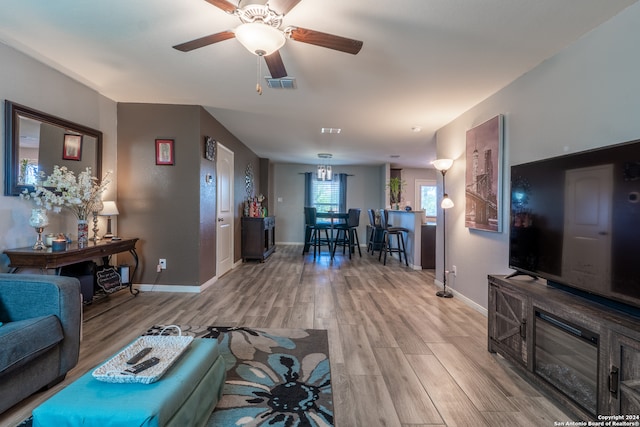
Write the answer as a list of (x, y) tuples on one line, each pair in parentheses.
[(209, 148), (249, 181), (483, 195), (72, 147), (164, 152)]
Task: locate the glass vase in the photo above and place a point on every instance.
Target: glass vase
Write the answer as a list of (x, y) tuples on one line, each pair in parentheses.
[(83, 233), (39, 220)]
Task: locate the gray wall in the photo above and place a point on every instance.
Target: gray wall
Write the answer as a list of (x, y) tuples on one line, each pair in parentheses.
[(172, 208), (160, 203), (365, 190), (28, 82), (584, 97)]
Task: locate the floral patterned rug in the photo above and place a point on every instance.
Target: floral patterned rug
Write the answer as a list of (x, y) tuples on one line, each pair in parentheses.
[(275, 377)]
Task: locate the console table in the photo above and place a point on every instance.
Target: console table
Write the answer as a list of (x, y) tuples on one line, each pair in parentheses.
[(45, 259)]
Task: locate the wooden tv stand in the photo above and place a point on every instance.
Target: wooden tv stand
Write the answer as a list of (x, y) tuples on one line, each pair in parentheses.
[(511, 333)]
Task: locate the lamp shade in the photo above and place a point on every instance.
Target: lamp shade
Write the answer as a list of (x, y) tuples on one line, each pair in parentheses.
[(442, 164), (109, 209), (446, 202), (260, 39)]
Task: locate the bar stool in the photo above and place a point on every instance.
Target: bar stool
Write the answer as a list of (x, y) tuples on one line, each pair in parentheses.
[(375, 231), (349, 232), (313, 230), (392, 231)]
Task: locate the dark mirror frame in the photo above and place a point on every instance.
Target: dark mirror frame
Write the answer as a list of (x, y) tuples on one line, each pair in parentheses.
[(12, 114)]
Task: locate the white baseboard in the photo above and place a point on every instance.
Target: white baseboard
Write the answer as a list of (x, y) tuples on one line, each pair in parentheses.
[(167, 288), (177, 288), (474, 305)]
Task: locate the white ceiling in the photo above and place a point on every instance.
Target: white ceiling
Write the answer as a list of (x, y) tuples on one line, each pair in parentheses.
[(423, 63)]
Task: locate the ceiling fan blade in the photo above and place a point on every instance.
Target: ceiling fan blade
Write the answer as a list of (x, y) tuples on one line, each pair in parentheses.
[(223, 4), (204, 41), (275, 65), (283, 6), (330, 41)]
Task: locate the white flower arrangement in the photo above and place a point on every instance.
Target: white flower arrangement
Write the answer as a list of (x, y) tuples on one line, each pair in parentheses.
[(62, 189)]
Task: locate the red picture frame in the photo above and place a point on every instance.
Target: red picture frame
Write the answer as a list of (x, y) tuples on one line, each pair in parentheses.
[(164, 152), (72, 147)]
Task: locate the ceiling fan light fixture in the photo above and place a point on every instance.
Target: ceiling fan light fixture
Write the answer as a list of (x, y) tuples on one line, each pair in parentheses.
[(260, 39)]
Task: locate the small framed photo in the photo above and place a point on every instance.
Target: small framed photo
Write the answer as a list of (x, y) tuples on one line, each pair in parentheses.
[(72, 147), (164, 152)]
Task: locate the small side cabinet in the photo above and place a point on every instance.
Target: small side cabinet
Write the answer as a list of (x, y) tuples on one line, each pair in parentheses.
[(258, 237)]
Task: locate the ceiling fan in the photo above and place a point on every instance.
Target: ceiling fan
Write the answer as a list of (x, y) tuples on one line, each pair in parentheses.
[(261, 34)]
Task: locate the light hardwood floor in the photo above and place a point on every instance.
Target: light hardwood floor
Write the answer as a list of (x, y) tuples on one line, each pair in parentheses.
[(400, 356)]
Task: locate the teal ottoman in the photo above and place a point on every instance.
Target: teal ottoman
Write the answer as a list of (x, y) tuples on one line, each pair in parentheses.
[(185, 396)]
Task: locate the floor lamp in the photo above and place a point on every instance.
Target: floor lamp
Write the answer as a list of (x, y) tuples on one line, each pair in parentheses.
[(443, 165)]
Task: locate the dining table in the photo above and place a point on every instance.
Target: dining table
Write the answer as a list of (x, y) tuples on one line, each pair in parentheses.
[(332, 218)]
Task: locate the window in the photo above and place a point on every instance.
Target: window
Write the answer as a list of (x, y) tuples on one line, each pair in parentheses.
[(427, 197), (326, 195)]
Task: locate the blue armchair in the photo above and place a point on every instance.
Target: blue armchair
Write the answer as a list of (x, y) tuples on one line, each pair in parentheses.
[(40, 319)]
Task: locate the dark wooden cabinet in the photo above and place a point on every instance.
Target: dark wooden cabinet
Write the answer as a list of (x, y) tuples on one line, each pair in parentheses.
[(428, 246), (258, 237), (515, 309)]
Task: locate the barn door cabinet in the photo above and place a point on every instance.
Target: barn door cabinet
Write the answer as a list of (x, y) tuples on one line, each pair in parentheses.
[(512, 307), (508, 323), (624, 375)]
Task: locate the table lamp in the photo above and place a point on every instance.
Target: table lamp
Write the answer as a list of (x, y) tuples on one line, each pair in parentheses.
[(110, 209)]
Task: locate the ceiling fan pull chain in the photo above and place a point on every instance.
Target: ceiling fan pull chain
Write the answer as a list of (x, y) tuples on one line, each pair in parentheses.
[(258, 87)]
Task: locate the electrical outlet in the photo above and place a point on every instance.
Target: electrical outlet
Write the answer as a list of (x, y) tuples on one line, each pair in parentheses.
[(454, 270), (163, 264)]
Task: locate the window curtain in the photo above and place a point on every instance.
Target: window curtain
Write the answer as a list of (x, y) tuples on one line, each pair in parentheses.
[(342, 185), (308, 189)]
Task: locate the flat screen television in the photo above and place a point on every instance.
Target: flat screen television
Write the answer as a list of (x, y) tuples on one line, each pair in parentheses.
[(575, 221)]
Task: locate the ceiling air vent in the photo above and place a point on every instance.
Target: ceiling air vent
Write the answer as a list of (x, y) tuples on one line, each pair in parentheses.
[(283, 83)]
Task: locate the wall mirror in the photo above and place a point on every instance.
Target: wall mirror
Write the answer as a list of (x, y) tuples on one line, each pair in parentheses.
[(35, 142)]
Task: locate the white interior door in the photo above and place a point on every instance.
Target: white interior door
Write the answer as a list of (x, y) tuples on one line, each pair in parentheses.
[(225, 211), (586, 253)]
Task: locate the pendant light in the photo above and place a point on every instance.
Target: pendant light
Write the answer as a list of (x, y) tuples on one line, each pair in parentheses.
[(324, 172)]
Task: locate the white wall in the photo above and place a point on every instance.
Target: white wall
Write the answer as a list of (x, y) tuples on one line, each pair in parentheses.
[(586, 96), (28, 82)]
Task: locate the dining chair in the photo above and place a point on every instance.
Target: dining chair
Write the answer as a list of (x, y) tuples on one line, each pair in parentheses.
[(347, 233), (313, 229), (388, 230)]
